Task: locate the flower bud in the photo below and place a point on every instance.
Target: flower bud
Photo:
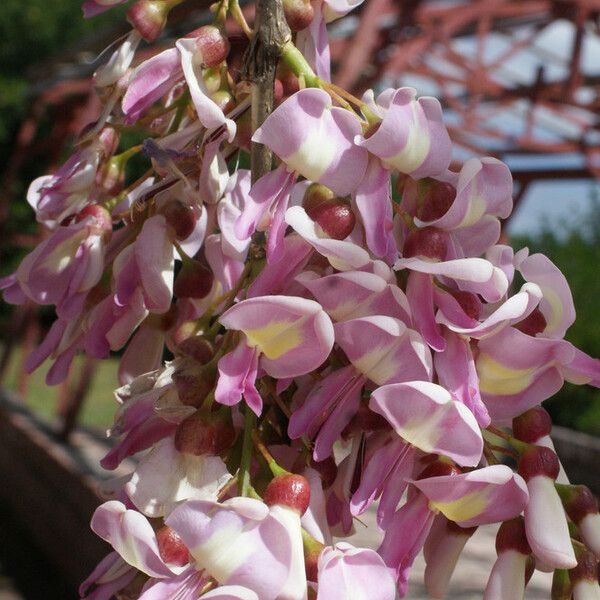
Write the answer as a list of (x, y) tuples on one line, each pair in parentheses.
[(212, 45), (199, 435), (545, 520), (435, 198), (197, 348), (532, 425), (335, 218), (289, 490), (171, 547), (181, 217), (193, 281), (469, 302), (149, 17), (428, 242), (509, 573), (315, 195), (439, 468), (100, 214), (582, 507), (538, 460), (511, 536), (533, 323), (584, 577), (298, 13), (193, 382)]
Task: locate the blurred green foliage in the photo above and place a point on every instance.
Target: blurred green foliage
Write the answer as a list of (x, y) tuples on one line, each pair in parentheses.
[(576, 251), (35, 32)]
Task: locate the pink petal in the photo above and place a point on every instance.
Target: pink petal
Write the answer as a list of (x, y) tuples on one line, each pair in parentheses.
[(132, 536), (374, 203), (424, 415), (293, 335), (487, 495)]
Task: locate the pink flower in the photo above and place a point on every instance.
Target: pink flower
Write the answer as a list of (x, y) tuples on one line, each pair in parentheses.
[(349, 572), (291, 336)]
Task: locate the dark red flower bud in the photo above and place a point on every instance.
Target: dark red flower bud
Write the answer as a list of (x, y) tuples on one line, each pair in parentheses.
[(532, 425), (212, 44), (181, 217), (198, 435), (578, 501), (289, 490), (511, 536), (171, 547), (197, 348), (193, 281), (587, 566), (435, 198), (298, 13), (149, 17), (428, 242), (193, 381), (335, 218), (538, 460), (469, 302), (439, 468), (533, 323)]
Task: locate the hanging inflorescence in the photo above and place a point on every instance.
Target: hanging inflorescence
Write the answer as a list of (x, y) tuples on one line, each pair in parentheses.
[(345, 332)]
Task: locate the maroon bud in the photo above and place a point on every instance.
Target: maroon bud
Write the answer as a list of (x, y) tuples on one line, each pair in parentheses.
[(100, 214), (197, 348), (277, 91), (428, 242), (532, 425), (435, 198), (533, 323), (439, 468), (149, 17), (327, 469), (335, 218), (315, 195), (587, 566), (469, 302), (298, 13), (289, 490), (365, 420), (578, 501), (511, 536), (538, 460), (171, 547), (196, 435), (289, 81), (181, 217), (312, 551), (212, 44), (193, 281), (193, 381)]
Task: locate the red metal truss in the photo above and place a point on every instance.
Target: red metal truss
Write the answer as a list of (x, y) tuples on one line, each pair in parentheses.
[(470, 53)]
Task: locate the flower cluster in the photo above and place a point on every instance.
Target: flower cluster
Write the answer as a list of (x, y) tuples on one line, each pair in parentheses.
[(343, 333)]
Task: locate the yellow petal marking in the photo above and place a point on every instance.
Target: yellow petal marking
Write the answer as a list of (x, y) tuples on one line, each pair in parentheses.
[(496, 379), (275, 338), (464, 508)]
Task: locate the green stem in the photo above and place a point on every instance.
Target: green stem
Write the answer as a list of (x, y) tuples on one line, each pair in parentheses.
[(244, 476), (294, 59)]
